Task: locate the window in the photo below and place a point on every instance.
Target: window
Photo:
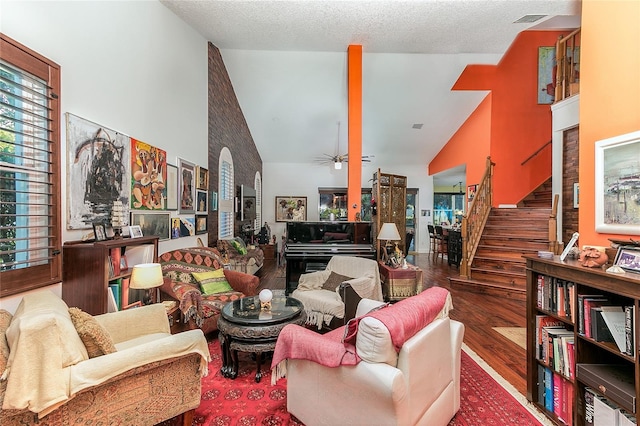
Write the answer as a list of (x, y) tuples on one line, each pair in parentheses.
[(257, 184), (226, 195), (30, 217), (334, 201)]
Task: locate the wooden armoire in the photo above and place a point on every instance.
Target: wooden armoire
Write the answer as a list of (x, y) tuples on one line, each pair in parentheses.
[(389, 192)]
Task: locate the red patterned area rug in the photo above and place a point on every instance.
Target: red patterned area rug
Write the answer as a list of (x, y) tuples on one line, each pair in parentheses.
[(243, 402)]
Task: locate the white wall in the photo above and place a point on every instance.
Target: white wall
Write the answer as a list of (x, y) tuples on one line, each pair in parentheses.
[(295, 179), (131, 66)]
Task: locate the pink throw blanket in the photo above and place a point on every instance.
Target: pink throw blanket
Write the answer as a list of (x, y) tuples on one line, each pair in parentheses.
[(403, 320)]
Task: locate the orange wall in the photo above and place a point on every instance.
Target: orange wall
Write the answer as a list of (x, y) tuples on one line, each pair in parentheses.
[(473, 137), (609, 93), (518, 125)]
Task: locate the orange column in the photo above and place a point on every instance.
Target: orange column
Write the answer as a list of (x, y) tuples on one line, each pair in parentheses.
[(354, 85)]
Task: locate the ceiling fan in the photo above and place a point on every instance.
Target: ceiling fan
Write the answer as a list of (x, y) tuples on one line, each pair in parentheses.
[(338, 158)]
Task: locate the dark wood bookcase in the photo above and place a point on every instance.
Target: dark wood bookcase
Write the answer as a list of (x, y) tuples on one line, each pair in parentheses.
[(86, 270), (576, 280)]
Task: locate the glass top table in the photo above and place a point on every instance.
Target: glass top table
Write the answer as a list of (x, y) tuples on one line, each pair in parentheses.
[(247, 310)]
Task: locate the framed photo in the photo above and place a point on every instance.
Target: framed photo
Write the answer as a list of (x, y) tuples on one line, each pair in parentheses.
[(203, 178), (157, 224), (617, 166), (201, 224), (123, 263), (99, 232), (109, 231), (628, 258), (214, 201), (175, 228), (172, 187), (291, 209), (135, 231), (201, 207), (187, 186)]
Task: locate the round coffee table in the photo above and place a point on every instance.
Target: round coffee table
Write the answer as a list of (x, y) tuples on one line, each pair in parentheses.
[(244, 327)]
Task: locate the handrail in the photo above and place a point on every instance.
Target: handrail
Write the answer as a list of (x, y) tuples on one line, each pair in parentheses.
[(567, 76), (474, 221), (537, 151), (554, 246)]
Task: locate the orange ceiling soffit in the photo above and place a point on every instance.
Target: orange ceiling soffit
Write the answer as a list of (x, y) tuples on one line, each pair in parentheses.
[(476, 77), (354, 86)]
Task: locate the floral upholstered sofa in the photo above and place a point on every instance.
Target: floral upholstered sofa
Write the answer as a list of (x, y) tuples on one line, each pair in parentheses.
[(200, 310)]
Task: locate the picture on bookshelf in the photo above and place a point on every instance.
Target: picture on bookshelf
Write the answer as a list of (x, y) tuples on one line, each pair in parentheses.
[(135, 231), (99, 232), (628, 258)]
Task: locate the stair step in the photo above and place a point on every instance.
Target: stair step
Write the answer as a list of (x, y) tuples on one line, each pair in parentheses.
[(505, 252), (500, 264), (514, 244), (504, 278), (487, 288)]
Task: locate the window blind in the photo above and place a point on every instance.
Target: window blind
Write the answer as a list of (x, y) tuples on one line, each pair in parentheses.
[(225, 215)]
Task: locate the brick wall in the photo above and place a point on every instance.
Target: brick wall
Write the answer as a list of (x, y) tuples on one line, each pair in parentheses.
[(227, 127), (570, 163)]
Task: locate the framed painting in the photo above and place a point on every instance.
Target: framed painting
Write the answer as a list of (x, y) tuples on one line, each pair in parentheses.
[(201, 224), (547, 68), (291, 209), (157, 224), (201, 206), (203, 178), (98, 172), (188, 226), (617, 184), (187, 186), (628, 258), (148, 176), (171, 186), (175, 228)]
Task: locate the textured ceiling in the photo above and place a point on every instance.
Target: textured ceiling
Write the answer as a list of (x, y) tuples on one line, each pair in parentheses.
[(287, 62)]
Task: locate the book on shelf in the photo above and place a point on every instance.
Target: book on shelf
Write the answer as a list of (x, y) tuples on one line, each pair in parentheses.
[(541, 385), (625, 418), (589, 396), (116, 288), (614, 319), (125, 291), (548, 389), (599, 330), (544, 321), (629, 330), (112, 306), (585, 319), (604, 412), (114, 255)]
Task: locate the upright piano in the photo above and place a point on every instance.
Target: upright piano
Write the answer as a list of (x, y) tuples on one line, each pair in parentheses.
[(310, 246)]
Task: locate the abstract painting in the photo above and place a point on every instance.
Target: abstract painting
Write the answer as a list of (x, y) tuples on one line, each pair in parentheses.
[(148, 176), (98, 172), (187, 187), (157, 224)]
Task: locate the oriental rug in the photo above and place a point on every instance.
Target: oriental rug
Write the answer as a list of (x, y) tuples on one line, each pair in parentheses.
[(243, 402)]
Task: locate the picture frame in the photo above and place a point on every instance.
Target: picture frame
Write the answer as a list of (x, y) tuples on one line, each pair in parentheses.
[(175, 228), (617, 162), (214, 201), (576, 195), (291, 209), (186, 187), (202, 178), (628, 258), (547, 69), (109, 232), (201, 224), (99, 232), (172, 187), (124, 265), (135, 231), (148, 176), (156, 224), (201, 206)]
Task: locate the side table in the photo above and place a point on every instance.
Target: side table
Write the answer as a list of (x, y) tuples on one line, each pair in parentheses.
[(400, 283)]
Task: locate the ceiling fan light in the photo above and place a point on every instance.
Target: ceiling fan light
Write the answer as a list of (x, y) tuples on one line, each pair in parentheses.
[(337, 165)]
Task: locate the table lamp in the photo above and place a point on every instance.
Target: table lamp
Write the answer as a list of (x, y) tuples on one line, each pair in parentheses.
[(388, 232), (146, 276)]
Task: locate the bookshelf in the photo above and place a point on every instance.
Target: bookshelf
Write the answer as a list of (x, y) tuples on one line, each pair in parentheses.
[(87, 269), (567, 368)]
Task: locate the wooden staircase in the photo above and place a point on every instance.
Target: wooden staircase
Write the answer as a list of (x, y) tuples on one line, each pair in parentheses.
[(498, 267)]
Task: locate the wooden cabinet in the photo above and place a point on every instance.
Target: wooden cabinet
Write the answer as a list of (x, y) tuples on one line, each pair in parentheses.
[(390, 194), (87, 270), (269, 251), (565, 360)]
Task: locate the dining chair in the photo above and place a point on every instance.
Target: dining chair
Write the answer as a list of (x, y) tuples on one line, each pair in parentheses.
[(432, 238), (442, 241)]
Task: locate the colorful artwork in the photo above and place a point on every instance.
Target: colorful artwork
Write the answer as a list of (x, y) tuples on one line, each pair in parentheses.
[(291, 209), (98, 172), (148, 176), (187, 186), (188, 226)]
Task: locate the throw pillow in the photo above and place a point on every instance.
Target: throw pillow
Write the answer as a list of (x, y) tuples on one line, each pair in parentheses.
[(95, 337), (334, 281), (239, 246), (212, 282)]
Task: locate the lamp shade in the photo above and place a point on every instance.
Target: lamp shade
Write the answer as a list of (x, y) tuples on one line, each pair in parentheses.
[(389, 232), (146, 275)]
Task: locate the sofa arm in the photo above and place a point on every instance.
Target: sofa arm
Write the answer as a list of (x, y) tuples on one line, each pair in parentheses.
[(244, 283), (95, 371), (131, 323), (311, 388)]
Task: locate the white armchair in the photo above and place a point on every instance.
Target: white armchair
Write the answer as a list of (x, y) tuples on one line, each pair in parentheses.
[(420, 385), (323, 296)]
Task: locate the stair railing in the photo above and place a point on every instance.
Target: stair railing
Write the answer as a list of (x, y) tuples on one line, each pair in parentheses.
[(474, 221), (567, 65), (554, 246)]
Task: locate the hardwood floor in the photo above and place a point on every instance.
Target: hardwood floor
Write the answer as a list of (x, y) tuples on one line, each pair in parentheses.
[(478, 312)]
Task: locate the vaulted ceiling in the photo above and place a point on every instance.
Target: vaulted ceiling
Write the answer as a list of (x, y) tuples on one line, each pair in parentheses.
[(287, 62)]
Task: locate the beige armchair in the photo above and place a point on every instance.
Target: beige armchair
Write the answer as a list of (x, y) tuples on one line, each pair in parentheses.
[(63, 366), (323, 293)]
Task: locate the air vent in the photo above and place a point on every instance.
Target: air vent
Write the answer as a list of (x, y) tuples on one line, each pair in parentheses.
[(527, 19), (417, 126)]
